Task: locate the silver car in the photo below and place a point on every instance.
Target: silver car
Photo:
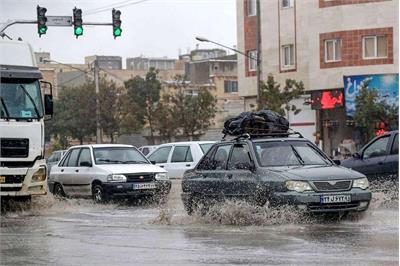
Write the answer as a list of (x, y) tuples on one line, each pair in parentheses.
[(53, 159), (108, 171)]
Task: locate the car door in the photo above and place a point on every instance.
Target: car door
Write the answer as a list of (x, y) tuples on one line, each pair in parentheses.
[(181, 160), (391, 164), (83, 176), (240, 181), (160, 156), (373, 157), (68, 170)]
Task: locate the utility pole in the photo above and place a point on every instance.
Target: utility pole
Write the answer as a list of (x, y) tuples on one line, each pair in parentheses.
[(96, 81), (259, 66)]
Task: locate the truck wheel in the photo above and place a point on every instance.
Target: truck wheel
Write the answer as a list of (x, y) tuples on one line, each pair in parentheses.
[(98, 194), (58, 191)]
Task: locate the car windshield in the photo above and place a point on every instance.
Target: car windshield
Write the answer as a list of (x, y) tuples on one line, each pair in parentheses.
[(21, 100), (288, 153), (118, 155)]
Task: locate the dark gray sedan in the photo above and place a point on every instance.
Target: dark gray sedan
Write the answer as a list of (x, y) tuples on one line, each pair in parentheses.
[(278, 170)]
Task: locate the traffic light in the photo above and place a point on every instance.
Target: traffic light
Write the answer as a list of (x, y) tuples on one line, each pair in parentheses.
[(116, 23), (41, 20), (78, 29)]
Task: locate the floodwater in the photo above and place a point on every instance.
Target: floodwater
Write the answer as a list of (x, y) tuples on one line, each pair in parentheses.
[(78, 232)]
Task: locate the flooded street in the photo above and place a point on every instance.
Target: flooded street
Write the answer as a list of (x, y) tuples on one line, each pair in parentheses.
[(78, 232)]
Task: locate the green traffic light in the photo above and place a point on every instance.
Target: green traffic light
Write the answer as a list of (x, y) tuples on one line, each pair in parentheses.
[(117, 32), (78, 31), (42, 30)]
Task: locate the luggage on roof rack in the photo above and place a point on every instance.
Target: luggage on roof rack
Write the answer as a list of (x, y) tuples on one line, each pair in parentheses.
[(253, 123)]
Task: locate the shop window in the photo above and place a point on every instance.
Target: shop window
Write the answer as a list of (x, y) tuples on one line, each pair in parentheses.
[(375, 47), (333, 50)]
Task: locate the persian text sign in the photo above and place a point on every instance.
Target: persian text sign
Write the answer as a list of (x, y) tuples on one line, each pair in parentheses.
[(386, 84)]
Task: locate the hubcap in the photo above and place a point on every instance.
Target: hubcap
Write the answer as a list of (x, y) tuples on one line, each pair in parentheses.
[(97, 194)]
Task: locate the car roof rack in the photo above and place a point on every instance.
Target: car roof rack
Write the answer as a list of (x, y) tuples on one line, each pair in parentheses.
[(267, 134)]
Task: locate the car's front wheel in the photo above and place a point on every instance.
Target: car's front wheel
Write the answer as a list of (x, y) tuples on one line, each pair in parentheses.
[(98, 194)]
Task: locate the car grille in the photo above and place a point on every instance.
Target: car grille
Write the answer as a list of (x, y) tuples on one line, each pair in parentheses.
[(6, 189), (13, 179), (139, 177), (332, 185), (14, 148), (332, 206)]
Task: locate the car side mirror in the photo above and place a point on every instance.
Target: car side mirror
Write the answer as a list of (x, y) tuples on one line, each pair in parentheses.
[(85, 164), (48, 104), (337, 162), (356, 155), (153, 162)]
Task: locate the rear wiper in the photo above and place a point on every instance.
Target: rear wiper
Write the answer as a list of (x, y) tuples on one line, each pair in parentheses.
[(5, 108), (297, 155), (32, 101)]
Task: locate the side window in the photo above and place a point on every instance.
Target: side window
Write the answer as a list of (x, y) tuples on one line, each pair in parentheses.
[(377, 148), (73, 158), (395, 146), (52, 158), (65, 161), (160, 155), (240, 158), (181, 154), (84, 156)]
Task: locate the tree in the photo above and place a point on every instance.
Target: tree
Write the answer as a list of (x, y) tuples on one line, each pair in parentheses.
[(165, 122), (144, 94), (275, 99), (371, 110)]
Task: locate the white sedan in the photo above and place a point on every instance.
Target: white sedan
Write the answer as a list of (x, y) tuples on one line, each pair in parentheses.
[(177, 157)]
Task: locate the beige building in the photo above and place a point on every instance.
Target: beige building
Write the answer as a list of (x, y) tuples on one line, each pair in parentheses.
[(319, 42)]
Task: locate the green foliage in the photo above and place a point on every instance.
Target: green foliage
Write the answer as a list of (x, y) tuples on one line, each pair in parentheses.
[(144, 95), (370, 110), (273, 98)]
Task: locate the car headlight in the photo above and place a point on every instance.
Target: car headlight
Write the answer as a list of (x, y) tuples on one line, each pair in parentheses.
[(39, 175), (298, 186), (361, 183), (116, 178), (162, 176)]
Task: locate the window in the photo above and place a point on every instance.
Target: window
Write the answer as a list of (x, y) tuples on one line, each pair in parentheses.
[(84, 156), (216, 158), (240, 158), (252, 57), (395, 147), (118, 155), (230, 86), (287, 3), (377, 148), (251, 7), (375, 47), (333, 50), (73, 158), (205, 147), (288, 55), (160, 155), (65, 160), (181, 154)]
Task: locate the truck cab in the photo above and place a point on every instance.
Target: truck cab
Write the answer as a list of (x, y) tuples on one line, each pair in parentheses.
[(22, 114)]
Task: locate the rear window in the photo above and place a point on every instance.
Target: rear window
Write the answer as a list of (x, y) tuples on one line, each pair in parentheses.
[(205, 147)]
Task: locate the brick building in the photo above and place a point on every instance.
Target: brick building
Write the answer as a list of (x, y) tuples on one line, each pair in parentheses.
[(332, 46)]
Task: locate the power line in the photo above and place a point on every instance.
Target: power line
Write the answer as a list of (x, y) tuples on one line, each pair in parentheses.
[(107, 8)]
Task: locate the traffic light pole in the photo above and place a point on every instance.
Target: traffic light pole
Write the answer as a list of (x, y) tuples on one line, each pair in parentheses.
[(96, 81)]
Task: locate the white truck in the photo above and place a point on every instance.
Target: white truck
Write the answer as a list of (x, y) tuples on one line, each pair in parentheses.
[(23, 111)]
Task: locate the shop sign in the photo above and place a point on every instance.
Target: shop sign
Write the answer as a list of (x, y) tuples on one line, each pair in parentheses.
[(386, 84), (327, 99)]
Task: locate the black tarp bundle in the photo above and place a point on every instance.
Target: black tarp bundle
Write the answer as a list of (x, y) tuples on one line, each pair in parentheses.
[(261, 122)]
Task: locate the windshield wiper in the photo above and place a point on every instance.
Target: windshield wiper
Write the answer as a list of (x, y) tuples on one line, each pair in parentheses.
[(133, 161), (109, 161), (297, 155), (5, 108), (32, 101)]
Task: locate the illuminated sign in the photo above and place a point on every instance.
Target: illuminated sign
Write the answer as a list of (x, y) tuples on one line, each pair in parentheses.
[(328, 99)]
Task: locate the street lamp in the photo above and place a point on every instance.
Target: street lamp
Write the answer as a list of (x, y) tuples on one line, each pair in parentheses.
[(257, 59)]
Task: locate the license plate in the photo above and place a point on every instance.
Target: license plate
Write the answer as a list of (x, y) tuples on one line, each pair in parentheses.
[(144, 186), (335, 199), (2, 179)]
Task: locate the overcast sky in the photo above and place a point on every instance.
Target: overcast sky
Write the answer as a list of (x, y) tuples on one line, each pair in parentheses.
[(153, 28)]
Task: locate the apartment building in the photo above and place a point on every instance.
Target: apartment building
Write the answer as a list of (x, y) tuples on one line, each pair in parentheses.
[(332, 46)]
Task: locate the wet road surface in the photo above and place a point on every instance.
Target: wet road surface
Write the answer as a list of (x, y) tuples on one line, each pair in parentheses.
[(78, 232)]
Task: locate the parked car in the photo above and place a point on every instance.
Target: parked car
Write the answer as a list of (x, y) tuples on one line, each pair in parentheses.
[(147, 149), (107, 171), (276, 169), (53, 159), (378, 159), (178, 157)]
